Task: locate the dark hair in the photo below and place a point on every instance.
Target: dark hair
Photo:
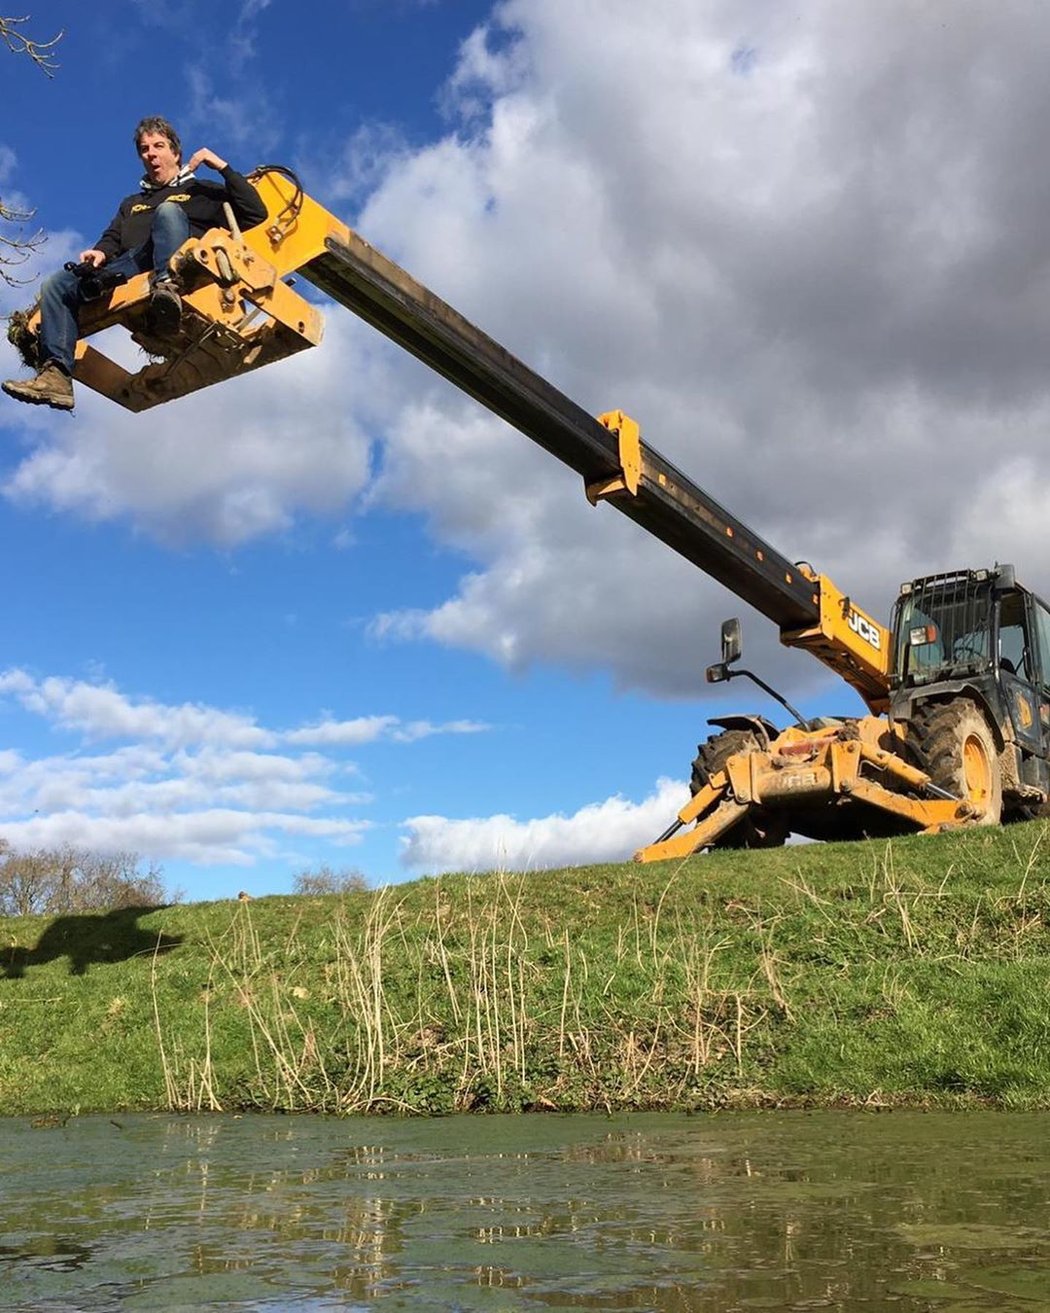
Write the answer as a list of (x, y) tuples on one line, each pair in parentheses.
[(155, 124)]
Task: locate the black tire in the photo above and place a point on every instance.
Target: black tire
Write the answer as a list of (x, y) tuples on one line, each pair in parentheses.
[(712, 756), (954, 744), (759, 828)]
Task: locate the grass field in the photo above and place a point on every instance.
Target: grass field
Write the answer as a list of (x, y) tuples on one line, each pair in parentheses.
[(915, 971)]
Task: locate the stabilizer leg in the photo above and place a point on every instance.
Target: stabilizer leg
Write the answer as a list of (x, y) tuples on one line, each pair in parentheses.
[(719, 812)]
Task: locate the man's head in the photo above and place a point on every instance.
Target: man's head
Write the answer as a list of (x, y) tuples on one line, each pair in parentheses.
[(159, 149)]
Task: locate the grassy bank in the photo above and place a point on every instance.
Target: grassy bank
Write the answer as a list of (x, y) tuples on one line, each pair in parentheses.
[(914, 971)]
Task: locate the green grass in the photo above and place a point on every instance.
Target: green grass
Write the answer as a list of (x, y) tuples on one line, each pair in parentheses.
[(912, 972)]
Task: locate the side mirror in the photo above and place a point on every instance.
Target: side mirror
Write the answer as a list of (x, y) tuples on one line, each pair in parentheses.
[(732, 643), (1006, 580), (732, 646)]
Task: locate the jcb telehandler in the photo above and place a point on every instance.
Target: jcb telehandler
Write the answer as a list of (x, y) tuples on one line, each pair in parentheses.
[(958, 688), (965, 739)]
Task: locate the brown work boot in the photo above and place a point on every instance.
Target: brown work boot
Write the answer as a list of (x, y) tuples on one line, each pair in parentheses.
[(165, 309), (52, 386)]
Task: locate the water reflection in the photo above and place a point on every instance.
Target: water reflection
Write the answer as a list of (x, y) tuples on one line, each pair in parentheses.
[(712, 1213)]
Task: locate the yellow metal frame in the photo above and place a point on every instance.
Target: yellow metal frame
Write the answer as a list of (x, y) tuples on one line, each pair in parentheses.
[(849, 641), (238, 312), (818, 767), (629, 437)]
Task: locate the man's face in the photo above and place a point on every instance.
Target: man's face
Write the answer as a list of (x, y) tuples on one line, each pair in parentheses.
[(162, 164)]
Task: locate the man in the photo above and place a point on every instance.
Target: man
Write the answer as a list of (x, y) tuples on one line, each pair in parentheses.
[(146, 231)]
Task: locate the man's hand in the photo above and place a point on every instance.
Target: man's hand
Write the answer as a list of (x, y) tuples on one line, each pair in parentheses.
[(206, 156), (92, 257)]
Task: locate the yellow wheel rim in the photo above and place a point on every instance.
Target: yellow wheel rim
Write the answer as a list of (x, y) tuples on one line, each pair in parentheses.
[(977, 771)]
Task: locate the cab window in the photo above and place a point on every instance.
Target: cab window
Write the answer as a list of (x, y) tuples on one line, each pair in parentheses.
[(1042, 624), (1014, 654)]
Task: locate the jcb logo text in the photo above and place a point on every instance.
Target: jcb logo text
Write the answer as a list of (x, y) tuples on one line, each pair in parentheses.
[(865, 629)]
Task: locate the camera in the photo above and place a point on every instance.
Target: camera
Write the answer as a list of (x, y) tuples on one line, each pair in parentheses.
[(95, 282)]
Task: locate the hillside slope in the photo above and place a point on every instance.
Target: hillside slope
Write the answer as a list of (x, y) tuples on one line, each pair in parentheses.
[(879, 973)]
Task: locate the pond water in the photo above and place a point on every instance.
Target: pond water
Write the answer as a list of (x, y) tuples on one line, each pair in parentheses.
[(719, 1212)]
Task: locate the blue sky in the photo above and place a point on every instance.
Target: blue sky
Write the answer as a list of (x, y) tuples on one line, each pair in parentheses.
[(334, 613)]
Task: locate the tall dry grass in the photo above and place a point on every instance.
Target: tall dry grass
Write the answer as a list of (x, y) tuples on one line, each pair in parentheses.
[(446, 1007)]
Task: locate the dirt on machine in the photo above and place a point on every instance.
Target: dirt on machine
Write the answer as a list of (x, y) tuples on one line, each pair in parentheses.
[(956, 686)]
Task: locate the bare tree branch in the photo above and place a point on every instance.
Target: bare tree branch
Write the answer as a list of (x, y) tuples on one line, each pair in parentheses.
[(16, 248), (42, 53)]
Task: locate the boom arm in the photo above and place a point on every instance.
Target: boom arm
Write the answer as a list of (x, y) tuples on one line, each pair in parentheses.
[(225, 273), (609, 454)]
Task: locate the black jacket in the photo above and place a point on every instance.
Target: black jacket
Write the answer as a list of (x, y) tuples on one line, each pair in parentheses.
[(202, 202)]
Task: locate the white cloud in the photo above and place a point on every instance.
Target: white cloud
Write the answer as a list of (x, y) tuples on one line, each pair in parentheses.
[(203, 785), (101, 711), (218, 766), (413, 730), (345, 733), (237, 116), (185, 781), (211, 837), (368, 729), (609, 831), (227, 465), (803, 251)]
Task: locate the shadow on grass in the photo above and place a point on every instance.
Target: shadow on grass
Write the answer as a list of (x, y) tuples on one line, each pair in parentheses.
[(91, 937)]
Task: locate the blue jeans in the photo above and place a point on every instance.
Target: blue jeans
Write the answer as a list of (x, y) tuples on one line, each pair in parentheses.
[(60, 298)]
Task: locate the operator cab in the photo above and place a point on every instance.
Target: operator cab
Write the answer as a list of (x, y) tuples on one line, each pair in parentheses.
[(944, 627), (982, 633)]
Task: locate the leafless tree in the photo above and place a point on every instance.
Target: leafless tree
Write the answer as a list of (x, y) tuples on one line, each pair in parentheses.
[(326, 881), (16, 245), (54, 881), (25, 882)]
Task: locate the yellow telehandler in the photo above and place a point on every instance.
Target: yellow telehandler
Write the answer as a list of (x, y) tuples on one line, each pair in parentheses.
[(957, 687)]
